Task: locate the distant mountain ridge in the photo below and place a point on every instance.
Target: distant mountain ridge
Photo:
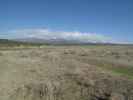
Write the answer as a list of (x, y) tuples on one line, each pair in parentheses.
[(56, 41), (38, 41), (10, 42)]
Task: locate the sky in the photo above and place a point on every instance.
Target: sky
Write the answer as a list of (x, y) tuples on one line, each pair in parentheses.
[(97, 20)]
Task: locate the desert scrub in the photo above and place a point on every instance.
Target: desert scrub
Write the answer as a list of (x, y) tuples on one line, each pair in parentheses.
[(113, 67), (116, 68), (69, 52), (83, 53), (1, 54)]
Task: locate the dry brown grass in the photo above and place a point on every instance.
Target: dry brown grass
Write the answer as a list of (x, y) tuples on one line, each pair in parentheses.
[(67, 73)]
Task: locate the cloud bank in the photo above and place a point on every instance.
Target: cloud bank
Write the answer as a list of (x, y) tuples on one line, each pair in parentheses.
[(49, 34)]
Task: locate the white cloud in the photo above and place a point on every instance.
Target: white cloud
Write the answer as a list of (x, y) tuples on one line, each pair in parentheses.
[(49, 34)]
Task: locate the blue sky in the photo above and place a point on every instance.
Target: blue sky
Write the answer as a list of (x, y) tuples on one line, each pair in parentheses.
[(106, 18)]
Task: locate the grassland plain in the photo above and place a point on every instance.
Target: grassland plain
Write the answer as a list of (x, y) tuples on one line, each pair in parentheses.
[(66, 72)]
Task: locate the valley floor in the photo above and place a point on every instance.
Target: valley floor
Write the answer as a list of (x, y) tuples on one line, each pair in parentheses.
[(66, 73)]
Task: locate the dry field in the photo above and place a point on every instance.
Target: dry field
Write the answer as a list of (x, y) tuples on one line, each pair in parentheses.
[(66, 73)]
